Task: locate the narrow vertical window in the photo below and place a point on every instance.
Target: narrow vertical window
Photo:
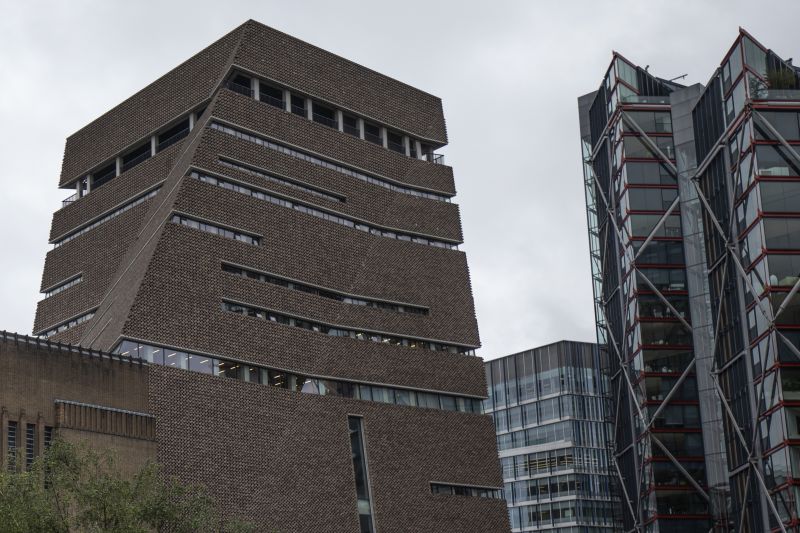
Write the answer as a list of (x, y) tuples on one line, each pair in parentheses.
[(30, 445), (360, 468), (48, 437), (12, 446)]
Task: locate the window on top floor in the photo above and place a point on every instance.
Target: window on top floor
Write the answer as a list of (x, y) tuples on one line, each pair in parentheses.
[(350, 125), (271, 95), (104, 175), (241, 84), (324, 115), (298, 105), (732, 68), (372, 133), (395, 142), (136, 156), (173, 135)]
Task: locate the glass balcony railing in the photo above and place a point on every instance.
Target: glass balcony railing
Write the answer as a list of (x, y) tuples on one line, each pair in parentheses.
[(776, 94), (636, 99)]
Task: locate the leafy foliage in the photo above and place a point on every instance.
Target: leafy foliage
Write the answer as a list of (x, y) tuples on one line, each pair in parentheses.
[(72, 488)]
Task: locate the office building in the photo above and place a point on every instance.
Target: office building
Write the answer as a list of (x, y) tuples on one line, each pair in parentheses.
[(691, 200), (551, 410), (268, 231)]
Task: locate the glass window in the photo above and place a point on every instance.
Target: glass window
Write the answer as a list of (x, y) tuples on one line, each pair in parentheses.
[(784, 122), (176, 359), (201, 363), (627, 73), (782, 233), (647, 173), (773, 160), (780, 196), (784, 270), (755, 57), (651, 199), (732, 68), (230, 370)]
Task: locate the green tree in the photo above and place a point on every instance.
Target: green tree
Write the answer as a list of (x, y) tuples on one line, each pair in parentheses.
[(74, 489)]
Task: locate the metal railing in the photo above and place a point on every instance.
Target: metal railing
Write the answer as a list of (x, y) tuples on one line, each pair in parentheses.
[(397, 147), (172, 139), (431, 157), (68, 200), (239, 88), (299, 110), (352, 130), (371, 137), (135, 161), (323, 119), (40, 342), (271, 100)]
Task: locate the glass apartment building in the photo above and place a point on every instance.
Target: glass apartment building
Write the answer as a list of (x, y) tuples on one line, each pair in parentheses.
[(550, 407), (693, 202)]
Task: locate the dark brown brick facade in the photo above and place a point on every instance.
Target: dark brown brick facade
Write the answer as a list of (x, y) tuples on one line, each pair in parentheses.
[(278, 457)]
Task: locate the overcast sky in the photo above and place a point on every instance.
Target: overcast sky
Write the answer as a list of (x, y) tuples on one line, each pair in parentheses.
[(509, 74)]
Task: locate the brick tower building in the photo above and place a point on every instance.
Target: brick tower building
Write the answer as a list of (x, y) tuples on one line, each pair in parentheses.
[(268, 230)]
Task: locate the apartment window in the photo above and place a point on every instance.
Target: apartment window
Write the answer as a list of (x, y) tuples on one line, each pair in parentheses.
[(324, 115), (30, 445), (350, 124), (271, 95), (241, 84), (11, 446), (395, 142), (372, 133), (357, 447), (136, 156), (298, 105), (413, 147), (216, 230), (173, 135), (104, 175)]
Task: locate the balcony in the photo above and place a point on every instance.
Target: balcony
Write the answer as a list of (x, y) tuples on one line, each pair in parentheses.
[(68, 200), (239, 88), (437, 159), (326, 120), (271, 100)]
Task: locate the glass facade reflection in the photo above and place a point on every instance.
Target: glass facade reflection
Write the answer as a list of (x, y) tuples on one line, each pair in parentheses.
[(693, 210), (551, 410)]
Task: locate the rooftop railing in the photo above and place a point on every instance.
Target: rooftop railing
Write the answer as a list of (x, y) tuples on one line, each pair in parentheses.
[(776, 94), (135, 161), (437, 159), (271, 100), (68, 200), (239, 88), (636, 99), (172, 139), (326, 120)]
